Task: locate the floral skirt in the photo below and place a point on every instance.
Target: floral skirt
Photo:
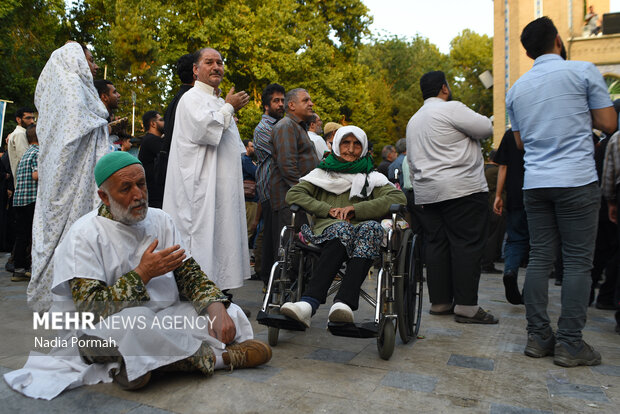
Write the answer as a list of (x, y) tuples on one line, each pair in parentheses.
[(362, 240)]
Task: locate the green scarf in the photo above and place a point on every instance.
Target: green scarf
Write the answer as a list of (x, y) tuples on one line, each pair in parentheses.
[(363, 165)]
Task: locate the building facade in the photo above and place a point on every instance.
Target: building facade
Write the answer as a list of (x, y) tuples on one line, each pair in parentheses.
[(510, 61)]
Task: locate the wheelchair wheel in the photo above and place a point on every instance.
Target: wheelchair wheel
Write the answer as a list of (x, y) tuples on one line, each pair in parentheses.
[(272, 335), (386, 339), (276, 298), (408, 288)]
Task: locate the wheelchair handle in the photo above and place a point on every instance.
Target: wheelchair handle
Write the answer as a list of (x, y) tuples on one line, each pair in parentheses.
[(398, 209)]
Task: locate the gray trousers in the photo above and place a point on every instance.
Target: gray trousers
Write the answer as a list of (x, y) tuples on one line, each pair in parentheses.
[(569, 216)]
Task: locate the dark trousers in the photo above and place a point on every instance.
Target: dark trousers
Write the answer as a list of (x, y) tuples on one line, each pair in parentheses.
[(333, 254), (267, 258), (605, 258), (23, 235), (455, 232), (568, 216), (617, 292), (517, 240), (493, 247)]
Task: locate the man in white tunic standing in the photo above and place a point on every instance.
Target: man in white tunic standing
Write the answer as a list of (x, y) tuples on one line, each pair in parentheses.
[(204, 184)]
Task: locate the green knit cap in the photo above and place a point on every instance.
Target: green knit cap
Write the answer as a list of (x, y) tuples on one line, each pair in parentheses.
[(111, 163)]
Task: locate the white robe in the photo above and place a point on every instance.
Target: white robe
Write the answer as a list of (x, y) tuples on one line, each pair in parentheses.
[(204, 186), (103, 249), (73, 135)]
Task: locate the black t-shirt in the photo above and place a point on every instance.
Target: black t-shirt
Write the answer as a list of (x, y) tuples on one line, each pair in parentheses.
[(151, 144), (509, 155)]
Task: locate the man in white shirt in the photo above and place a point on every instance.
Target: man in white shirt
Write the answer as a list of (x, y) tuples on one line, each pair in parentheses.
[(204, 184), (315, 129), (17, 141), (445, 160)]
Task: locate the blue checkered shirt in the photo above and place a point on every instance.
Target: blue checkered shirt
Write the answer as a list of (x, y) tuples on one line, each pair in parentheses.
[(26, 190)]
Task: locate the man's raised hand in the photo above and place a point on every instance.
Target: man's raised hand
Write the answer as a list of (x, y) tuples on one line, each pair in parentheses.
[(237, 100), (157, 264)]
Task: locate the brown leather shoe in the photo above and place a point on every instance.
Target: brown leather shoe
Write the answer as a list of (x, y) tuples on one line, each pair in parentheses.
[(248, 354)]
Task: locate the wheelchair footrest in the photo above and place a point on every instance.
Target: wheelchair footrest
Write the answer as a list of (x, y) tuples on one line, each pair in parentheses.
[(354, 330), (279, 321)]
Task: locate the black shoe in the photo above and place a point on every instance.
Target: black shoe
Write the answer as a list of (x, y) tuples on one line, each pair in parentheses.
[(20, 275), (490, 269), (538, 347), (481, 317), (565, 356), (9, 267), (254, 276), (604, 306), (512, 288)]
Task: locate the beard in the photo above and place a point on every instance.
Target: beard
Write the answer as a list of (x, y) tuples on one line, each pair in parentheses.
[(276, 114), (124, 215)]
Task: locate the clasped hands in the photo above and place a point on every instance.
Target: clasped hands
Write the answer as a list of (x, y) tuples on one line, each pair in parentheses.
[(342, 213)]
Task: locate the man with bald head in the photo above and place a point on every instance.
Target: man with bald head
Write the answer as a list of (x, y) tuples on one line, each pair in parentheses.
[(204, 182)]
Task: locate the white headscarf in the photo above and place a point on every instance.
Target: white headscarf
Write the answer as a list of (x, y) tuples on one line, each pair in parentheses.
[(339, 183), (357, 133)]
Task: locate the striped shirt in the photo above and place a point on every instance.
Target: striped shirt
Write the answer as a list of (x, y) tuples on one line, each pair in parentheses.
[(293, 155), (263, 149), (26, 190)]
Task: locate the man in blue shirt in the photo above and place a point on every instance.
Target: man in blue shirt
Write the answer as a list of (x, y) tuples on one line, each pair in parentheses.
[(553, 108)]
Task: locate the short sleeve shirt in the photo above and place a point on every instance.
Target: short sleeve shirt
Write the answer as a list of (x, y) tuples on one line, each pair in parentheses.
[(512, 157), (550, 107)]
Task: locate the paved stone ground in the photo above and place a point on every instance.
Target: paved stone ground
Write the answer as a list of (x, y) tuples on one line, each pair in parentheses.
[(451, 368)]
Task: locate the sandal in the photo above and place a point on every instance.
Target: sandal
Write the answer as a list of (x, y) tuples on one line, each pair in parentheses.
[(481, 317), (444, 312)]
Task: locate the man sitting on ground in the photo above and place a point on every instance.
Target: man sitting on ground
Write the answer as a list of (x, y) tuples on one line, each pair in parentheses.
[(126, 260)]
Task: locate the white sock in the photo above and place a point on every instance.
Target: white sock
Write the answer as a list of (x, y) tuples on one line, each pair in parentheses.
[(219, 361), (467, 311), (440, 307)]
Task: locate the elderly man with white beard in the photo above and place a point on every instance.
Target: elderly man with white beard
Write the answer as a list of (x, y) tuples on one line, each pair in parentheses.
[(124, 259)]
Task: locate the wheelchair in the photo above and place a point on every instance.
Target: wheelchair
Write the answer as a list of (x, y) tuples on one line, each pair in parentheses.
[(397, 299)]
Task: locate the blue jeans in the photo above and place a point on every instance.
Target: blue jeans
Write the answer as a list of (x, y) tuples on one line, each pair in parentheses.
[(569, 215), (518, 240)]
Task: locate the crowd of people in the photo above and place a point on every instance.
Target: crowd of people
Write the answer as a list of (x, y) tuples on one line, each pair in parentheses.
[(173, 228)]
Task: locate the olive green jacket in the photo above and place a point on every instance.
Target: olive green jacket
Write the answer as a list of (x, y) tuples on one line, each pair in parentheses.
[(317, 201)]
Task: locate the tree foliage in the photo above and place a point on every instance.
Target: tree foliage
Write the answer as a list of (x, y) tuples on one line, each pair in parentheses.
[(471, 55), (396, 65), (320, 45), (30, 30)]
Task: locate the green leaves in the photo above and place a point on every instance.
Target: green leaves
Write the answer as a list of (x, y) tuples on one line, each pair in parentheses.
[(321, 45)]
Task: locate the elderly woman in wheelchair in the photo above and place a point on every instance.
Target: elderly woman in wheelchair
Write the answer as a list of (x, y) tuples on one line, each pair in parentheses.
[(345, 196)]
